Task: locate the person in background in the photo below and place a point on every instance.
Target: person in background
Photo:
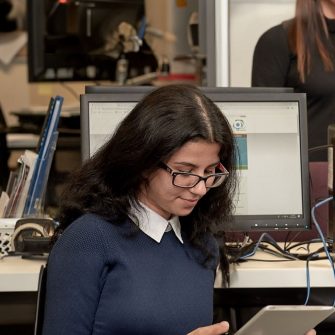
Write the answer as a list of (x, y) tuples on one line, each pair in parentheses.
[(300, 53), (135, 251)]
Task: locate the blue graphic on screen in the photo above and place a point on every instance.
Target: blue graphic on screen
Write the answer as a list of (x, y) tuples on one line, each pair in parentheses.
[(242, 148)]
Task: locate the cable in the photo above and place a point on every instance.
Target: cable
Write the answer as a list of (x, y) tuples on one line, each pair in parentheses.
[(53, 9), (315, 255), (308, 282), (272, 242), (324, 243), (70, 90), (319, 229), (288, 241), (297, 244), (321, 147)]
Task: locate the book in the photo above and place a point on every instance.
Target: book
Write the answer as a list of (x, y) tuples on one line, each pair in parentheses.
[(20, 184), (45, 124), (29, 159), (4, 199), (51, 126), (39, 188)]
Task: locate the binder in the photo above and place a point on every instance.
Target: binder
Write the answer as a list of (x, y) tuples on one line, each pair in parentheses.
[(46, 149), (39, 187)]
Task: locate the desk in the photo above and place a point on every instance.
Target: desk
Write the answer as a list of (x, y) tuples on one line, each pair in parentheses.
[(255, 284), (19, 275), (22, 141), (33, 118), (276, 273), (18, 290), (31, 123)]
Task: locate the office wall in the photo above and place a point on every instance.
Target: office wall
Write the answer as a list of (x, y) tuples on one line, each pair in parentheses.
[(14, 92), (248, 19)]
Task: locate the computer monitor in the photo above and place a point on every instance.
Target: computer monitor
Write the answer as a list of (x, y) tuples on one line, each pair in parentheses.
[(83, 40), (271, 135), (122, 89), (331, 182)]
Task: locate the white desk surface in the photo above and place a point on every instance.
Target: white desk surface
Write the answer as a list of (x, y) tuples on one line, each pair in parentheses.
[(24, 140), (278, 274), (19, 275), (255, 274)]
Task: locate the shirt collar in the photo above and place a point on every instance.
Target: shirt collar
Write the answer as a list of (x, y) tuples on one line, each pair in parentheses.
[(154, 225)]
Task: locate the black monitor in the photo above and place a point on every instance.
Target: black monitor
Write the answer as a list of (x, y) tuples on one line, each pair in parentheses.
[(82, 40), (271, 135), (331, 181), (115, 89)]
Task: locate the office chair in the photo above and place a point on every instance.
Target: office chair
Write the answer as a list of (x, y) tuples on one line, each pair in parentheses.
[(39, 317)]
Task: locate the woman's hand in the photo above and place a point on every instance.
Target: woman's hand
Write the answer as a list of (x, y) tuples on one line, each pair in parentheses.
[(216, 329), (311, 332)]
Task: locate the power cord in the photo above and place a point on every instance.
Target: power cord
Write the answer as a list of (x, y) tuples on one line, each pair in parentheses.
[(246, 251), (324, 243)]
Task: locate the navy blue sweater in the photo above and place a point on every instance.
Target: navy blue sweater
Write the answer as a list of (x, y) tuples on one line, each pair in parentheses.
[(103, 281)]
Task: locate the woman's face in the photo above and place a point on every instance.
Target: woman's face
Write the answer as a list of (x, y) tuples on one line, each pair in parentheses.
[(199, 157)]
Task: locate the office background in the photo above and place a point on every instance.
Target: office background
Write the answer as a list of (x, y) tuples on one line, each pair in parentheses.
[(241, 25), (236, 28)]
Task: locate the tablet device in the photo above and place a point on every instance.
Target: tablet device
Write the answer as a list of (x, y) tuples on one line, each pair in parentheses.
[(285, 320)]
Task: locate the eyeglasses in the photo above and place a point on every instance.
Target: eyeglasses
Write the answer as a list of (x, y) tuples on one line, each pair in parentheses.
[(189, 180)]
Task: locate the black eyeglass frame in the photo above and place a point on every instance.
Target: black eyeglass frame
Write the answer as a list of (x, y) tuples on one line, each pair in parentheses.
[(200, 178)]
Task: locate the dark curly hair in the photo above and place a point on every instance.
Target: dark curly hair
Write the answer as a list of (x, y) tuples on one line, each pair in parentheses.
[(167, 118)]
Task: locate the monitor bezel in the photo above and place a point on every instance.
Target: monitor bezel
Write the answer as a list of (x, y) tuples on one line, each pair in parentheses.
[(239, 223), (144, 89)]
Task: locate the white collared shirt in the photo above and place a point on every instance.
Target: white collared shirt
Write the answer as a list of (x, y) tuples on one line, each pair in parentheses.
[(154, 225)]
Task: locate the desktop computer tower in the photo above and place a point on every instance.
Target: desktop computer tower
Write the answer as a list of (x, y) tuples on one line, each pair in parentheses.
[(331, 179)]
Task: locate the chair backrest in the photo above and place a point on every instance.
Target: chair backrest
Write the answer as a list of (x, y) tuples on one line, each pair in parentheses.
[(40, 300), (319, 190), (4, 153)]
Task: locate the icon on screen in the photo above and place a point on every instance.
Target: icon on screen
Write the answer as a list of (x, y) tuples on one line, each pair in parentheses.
[(239, 125)]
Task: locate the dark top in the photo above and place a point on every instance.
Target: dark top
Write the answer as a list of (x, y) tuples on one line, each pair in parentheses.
[(103, 281), (274, 65)]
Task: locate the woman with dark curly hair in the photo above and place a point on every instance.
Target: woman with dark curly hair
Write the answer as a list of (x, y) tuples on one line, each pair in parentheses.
[(135, 251)]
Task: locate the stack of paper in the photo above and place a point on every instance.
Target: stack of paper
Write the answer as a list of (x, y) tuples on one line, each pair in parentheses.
[(18, 186), (26, 187)]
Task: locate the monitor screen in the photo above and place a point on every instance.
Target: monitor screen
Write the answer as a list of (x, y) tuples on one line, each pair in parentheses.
[(270, 131)]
